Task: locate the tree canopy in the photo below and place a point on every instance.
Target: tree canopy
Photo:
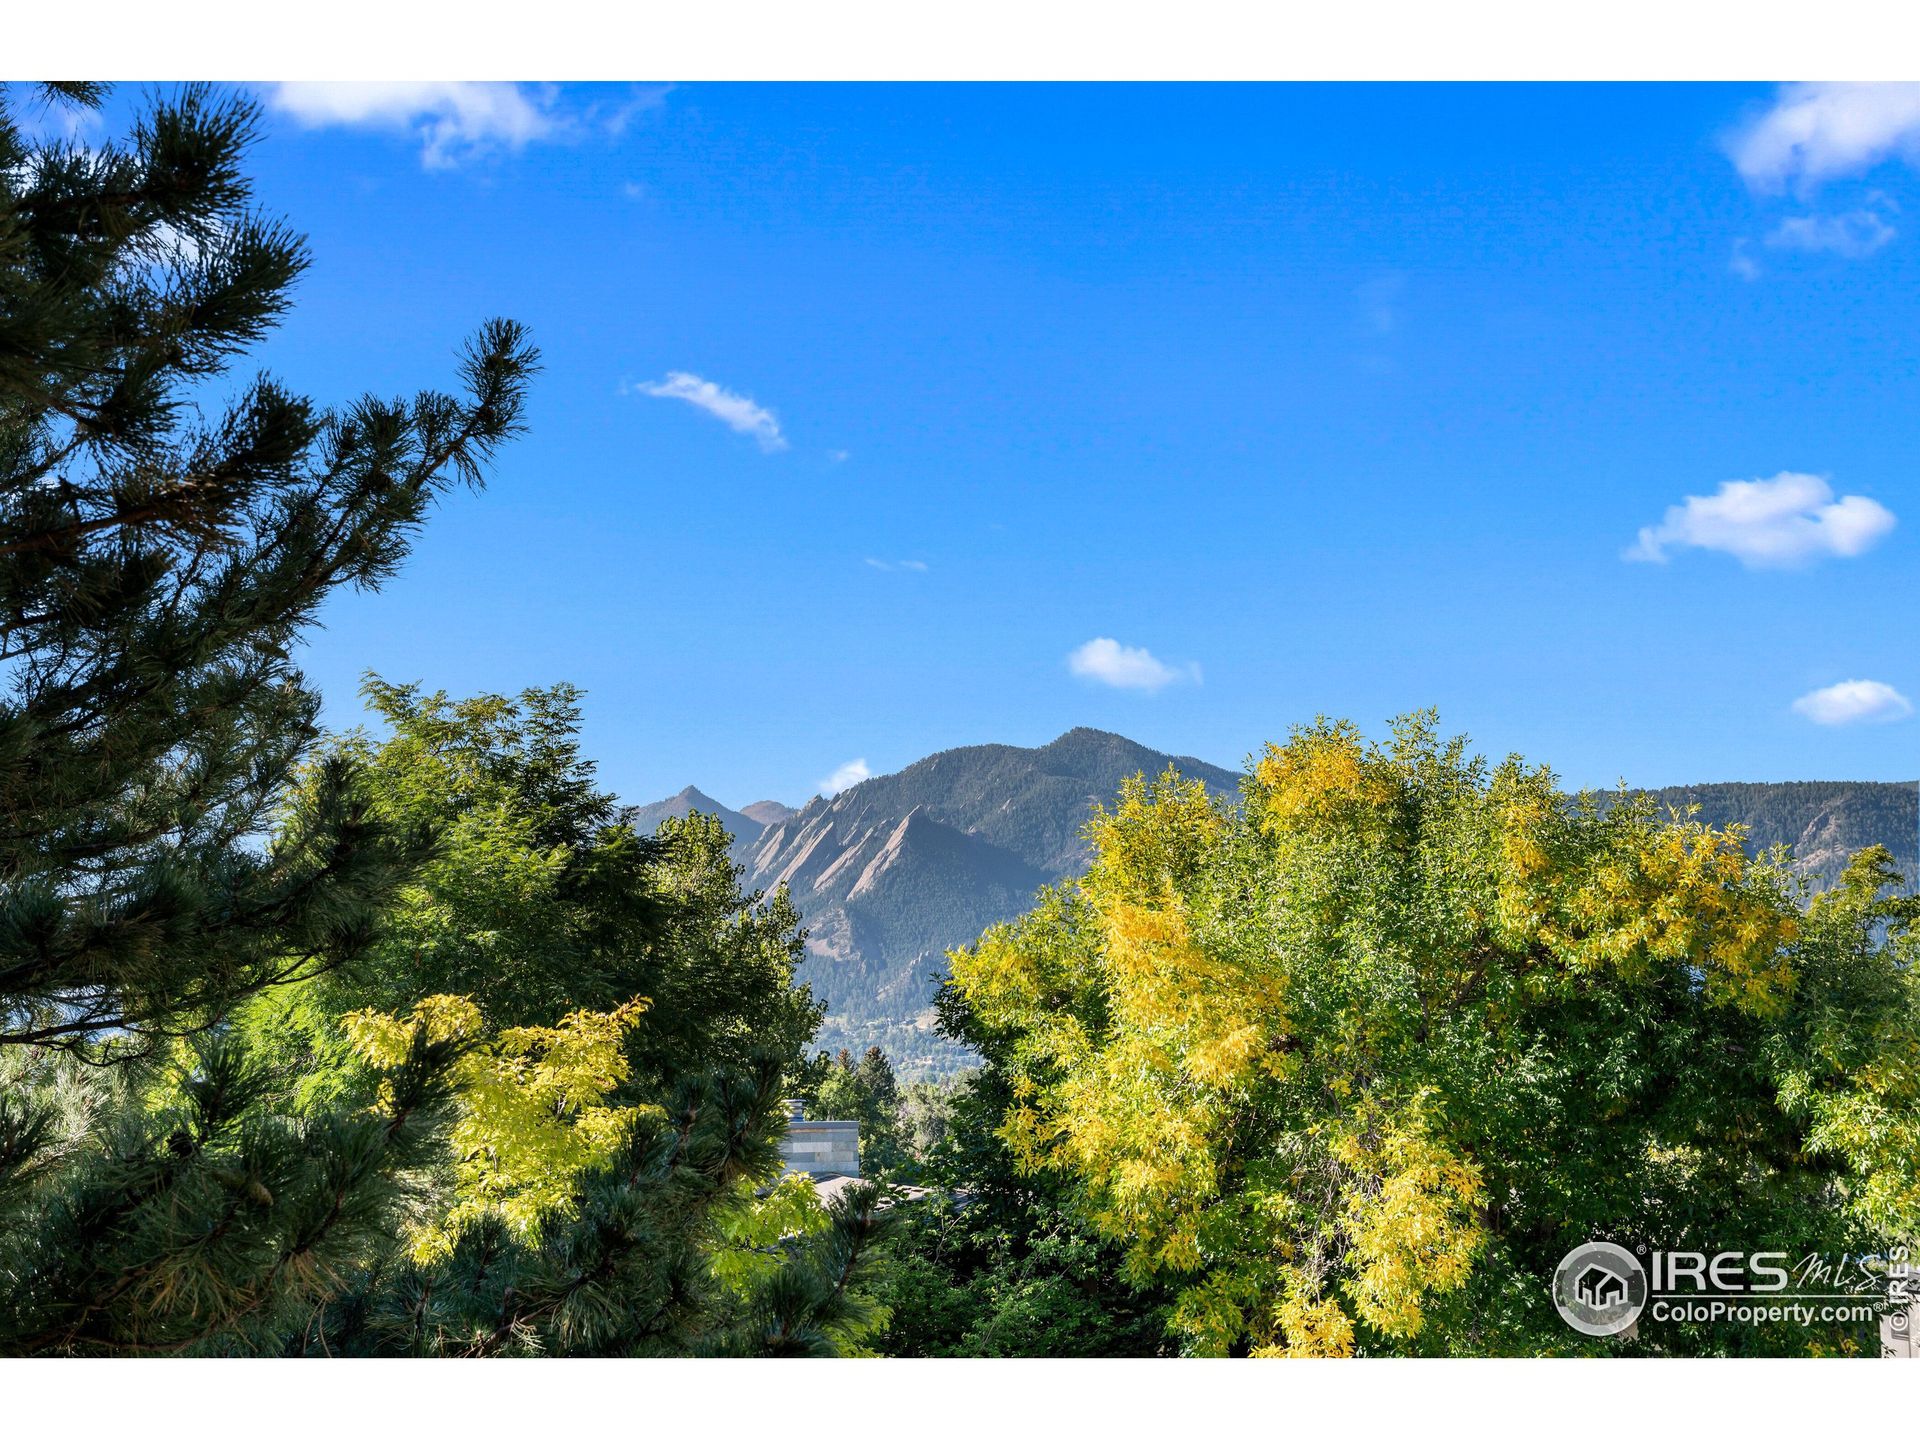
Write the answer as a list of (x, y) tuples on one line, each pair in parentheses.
[(539, 898), (1350, 1066)]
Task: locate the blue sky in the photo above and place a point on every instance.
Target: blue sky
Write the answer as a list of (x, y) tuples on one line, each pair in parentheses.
[(869, 411)]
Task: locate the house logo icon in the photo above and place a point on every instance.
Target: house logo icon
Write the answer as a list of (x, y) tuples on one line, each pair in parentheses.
[(1600, 1288)]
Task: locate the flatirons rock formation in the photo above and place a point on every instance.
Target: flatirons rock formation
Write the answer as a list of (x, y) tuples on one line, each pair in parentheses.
[(895, 871), (767, 812)]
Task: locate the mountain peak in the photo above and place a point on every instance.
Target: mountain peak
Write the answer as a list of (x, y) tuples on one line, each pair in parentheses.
[(647, 818), (1084, 733)]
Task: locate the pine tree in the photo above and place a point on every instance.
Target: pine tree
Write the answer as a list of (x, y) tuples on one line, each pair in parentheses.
[(213, 1225), (841, 1088), (876, 1076), (628, 1273), (158, 556)]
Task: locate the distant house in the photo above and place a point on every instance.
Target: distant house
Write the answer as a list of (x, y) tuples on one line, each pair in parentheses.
[(828, 1153), (823, 1149)]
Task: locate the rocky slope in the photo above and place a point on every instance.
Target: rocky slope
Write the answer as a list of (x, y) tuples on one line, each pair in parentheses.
[(893, 872)]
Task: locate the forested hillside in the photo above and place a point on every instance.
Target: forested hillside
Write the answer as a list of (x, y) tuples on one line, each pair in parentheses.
[(1822, 821)]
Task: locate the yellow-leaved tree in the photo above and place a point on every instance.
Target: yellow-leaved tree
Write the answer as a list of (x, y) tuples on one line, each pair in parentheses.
[(1349, 1066), (534, 1107)]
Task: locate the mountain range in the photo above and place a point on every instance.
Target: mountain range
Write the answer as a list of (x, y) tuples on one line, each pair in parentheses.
[(893, 872)]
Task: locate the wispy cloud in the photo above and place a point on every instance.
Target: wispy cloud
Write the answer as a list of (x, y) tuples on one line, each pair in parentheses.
[(1854, 702), (1380, 303), (49, 120), (1792, 519), (454, 120), (735, 411), (177, 247), (617, 117), (1741, 262), (1853, 235), (1127, 667), (918, 565), (1818, 132), (849, 774)]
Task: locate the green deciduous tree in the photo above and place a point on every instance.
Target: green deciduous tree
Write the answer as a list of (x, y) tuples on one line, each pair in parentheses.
[(627, 1020), (620, 1256), (998, 1262), (630, 1018), (541, 899)]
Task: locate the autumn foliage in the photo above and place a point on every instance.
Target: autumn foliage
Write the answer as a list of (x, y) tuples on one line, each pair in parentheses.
[(1352, 1064)]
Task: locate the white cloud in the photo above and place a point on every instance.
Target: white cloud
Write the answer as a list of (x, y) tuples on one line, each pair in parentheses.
[(1126, 667), (1819, 132), (917, 565), (1741, 263), (1854, 235), (851, 773), (1791, 519), (1854, 702), (177, 248), (735, 411), (453, 119)]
